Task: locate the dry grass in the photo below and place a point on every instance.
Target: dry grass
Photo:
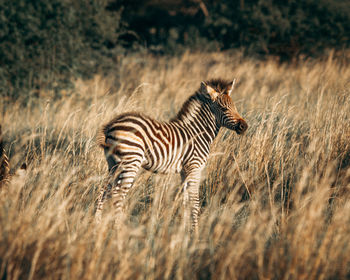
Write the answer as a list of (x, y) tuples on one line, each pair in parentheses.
[(275, 202)]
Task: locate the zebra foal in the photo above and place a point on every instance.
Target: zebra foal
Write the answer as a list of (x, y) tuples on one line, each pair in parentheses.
[(131, 141)]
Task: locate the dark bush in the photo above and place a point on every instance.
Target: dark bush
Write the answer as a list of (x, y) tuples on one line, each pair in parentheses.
[(283, 28), (43, 44)]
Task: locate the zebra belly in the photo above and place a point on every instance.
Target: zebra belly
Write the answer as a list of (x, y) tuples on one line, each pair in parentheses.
[(165, 166)]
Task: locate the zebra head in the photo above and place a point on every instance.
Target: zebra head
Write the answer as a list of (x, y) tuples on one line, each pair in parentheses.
[(218, 92)]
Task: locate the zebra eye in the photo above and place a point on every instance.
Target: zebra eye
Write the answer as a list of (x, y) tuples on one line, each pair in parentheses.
[(225, 110)]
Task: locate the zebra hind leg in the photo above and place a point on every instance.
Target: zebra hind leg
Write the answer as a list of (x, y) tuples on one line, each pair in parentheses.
[(104, 194), (123, 183), (106, 190)]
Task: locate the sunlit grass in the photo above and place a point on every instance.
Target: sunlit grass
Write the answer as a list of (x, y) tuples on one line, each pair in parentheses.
[(275, 201)]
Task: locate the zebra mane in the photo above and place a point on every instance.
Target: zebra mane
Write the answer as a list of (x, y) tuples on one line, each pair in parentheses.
[(198, 97), (219, 85)]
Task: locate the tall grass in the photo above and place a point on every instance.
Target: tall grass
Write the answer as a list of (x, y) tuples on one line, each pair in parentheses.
[(275, 201)]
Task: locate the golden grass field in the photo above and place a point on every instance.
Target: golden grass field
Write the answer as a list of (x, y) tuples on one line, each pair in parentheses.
[(275, 201)]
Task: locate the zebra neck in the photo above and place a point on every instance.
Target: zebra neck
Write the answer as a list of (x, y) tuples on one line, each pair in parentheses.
[(197, 117)]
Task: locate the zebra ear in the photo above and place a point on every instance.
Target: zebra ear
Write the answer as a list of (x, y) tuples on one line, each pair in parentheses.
[(232, 87), (206, 89)]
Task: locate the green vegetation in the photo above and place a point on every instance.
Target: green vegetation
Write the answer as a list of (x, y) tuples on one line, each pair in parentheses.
[(47, 44), (44, 44), (283, 28)]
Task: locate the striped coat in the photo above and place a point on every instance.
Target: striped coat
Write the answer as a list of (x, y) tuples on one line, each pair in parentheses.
[(182, 145), (4, 163), (5, 176)]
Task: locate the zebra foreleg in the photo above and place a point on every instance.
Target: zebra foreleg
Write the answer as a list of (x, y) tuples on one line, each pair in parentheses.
[(191, 198)]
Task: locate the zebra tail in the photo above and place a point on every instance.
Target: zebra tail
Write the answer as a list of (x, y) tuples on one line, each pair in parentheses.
[(101, 137)]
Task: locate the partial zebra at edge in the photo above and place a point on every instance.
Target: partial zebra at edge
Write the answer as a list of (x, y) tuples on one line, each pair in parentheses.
[(5, 174), (4, 162)]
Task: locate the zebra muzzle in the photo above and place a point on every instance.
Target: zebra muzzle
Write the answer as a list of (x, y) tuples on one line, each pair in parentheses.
[(241, 126)]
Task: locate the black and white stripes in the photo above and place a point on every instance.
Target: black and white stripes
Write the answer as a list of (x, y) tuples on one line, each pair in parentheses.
[(4, 163), (131, 141)]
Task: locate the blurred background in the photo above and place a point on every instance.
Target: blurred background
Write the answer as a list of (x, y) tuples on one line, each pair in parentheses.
[(45, 44)]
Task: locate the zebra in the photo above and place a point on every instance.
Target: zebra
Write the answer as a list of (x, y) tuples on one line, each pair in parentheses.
[(4, 163), (6, 177), (133, 140)]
